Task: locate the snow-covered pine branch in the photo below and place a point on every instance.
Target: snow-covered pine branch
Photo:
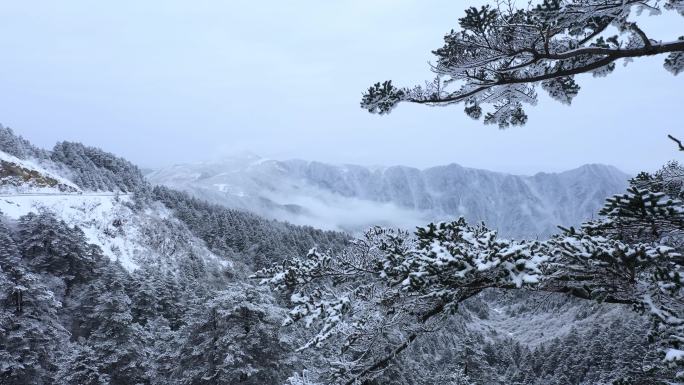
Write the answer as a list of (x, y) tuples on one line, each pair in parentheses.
[(498, 57), (370, 302)]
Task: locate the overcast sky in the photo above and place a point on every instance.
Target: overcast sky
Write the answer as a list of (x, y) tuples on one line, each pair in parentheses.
[(162, 82)]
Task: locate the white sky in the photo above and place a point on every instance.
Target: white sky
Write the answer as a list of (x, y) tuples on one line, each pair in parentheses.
[(172, 81)]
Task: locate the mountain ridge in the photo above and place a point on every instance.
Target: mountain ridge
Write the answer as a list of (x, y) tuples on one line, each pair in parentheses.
[(300, 191)]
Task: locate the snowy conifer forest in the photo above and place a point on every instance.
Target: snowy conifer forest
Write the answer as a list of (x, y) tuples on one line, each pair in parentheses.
[(553, 256), (108, 280)]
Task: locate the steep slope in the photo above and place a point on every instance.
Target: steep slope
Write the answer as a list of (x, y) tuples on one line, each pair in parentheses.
[(353, 197), (104, 278)]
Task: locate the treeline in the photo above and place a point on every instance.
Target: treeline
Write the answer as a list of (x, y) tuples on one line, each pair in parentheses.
[(257, 241), (88, 167), (19, 147), (94, 169)]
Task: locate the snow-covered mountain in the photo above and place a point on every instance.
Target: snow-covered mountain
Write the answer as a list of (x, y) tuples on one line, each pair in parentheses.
[(174, 262), (351, 197)]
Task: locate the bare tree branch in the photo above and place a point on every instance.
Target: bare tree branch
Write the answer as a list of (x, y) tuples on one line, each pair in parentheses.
[(679, 143)]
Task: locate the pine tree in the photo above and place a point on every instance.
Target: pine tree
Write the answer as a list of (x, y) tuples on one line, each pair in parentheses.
[(17, 146), (453, 376), (164, 346), (116, 339), (145, 301), (639, 215), (32, 334), (233, 338), (81, 366), (170, 297), (53, 247)]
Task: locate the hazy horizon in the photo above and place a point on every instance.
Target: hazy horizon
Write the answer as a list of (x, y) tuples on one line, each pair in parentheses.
[(243, 154), (177, 82)]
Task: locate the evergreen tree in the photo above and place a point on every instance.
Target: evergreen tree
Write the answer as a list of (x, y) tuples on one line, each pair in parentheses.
[(639, 215), (17, 146), (53, 247), (164, 345), (144, 295), (31, 333), (81, 367), (116, 340), (502, 52), (231, 339)]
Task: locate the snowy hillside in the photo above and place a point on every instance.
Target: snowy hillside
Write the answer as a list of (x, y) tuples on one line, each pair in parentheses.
[(108, 222), (19, 175), (169, 265), (99, 271), (106, 218), (353, 197), (135, 228)]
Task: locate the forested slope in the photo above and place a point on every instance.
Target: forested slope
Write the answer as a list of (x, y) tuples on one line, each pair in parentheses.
[(113, 281)]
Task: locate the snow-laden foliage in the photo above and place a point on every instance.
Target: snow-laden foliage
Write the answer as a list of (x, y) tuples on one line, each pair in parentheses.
[(17, 146), (369, 303), (355, 318), (30, 332), (501, 53), (81, 366), (675, 61), (467, 256), (51, 245), (300, 379), (97, 170), (70, 315), (232, 339)]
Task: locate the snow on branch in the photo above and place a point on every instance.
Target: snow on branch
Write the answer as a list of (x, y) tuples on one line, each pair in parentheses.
[(499, 55), (367, 304)]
